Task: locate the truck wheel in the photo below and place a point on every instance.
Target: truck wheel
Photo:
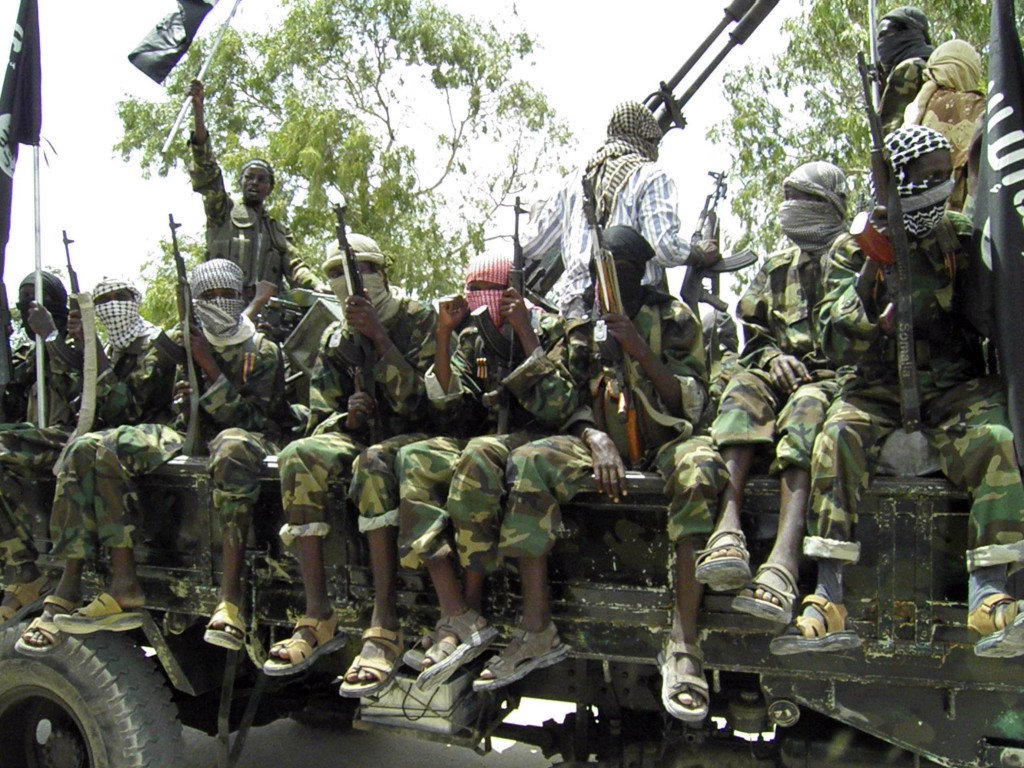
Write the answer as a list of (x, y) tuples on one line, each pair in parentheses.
[(94, 704)]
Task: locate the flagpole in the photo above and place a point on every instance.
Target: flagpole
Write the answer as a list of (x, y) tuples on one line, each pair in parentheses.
[(40, 343), (202, 71)]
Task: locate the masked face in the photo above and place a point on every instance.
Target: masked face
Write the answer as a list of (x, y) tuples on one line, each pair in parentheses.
[(479, 294), (924, 188), (121, 319), (219, 315)]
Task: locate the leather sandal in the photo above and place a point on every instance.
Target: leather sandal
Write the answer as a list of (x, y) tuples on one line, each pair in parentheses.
[(382, 664), (674, 682), (724, 573), (527, 652), (1000, 622), (301, 653), (782, 612), (104, 614), (43, 625), (231, 633), (812, 635), (27, 596), (473, 635)]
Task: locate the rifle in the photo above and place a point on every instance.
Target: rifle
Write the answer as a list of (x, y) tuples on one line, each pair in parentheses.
[(692, 291), (90, 362), (610, 301), (185, 315), (897, 274), (354, 284)]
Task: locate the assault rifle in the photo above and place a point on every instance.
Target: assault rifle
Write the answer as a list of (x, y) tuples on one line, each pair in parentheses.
[(90, 361), (693, 291), (910, 445), (184, 295), (363, 375), (610, 301)]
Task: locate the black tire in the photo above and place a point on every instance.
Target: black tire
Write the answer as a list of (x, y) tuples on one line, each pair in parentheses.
[(97, 703)]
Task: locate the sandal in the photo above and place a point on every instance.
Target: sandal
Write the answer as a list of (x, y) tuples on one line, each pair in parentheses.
[(447, 656), (27, 596), (43, 625), (724, 573), (1000, 622), (810, 634), (748, 602), (383, 664), (231, 633), (527, 651), (104, 614), (414, 656), (674, 682), (301, 653)]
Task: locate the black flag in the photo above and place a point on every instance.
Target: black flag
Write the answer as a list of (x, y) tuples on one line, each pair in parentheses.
[(162, 48), (999, 229), (20, 108)]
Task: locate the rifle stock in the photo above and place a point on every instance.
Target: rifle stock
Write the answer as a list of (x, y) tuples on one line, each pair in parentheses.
[(184, 297)]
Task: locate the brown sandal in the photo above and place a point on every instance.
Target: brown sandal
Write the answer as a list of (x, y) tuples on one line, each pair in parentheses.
[(1000, 622), (812, 635), (26, 595), (43, 625), (302, 654), (383, 666)]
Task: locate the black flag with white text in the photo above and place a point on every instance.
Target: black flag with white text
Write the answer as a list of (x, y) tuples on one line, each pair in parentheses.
[(998, 278), (164, 46)]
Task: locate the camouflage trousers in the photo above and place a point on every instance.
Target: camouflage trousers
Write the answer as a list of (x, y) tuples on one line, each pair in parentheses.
[(462, 480), (26, 453), (749, 413), (96, 495), (236, 465), (551, 471), (375, 485), (968, 427)]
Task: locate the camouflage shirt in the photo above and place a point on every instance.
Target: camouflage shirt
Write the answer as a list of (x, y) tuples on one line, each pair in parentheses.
[(901, 88), (63, 385), (948, 351), (397, 376), (138, 387), (259, 244), (541, 391), (778, 311), (673, 333)]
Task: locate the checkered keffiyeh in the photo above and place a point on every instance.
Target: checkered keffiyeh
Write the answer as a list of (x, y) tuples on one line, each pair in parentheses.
[(492, 268), (120, 317), (909, 143), (216, 273), (633, 138)]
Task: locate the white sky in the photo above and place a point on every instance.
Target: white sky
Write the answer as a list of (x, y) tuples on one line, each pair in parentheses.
[(592, 56)]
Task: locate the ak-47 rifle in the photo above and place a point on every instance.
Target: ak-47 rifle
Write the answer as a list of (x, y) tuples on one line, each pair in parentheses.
[(83, 302), (354, 283), (897, 275), (610, 301), (693, 291), (184, 295)]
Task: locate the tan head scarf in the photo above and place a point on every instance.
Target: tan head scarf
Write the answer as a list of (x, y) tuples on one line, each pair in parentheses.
[(955, 66)]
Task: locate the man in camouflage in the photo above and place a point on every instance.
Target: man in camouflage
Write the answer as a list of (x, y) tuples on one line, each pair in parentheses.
[(134, 385), (27, 449), (904, 45), (355, 402), (474, 391), (780, 397), (964, 413), (664, 396), (244, 232)]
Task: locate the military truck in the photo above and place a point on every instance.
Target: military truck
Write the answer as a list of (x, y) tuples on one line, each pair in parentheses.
[(913, 693)]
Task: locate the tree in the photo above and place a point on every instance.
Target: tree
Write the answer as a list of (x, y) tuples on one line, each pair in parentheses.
[(412, 111), (806, 103)]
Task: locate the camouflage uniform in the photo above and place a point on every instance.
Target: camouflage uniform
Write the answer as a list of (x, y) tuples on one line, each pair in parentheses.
[(136, 388), (249, 237), (26, 450), (777, 312), (965, 416), (464, 478), (308, 465), (551, 471), (901, 88)]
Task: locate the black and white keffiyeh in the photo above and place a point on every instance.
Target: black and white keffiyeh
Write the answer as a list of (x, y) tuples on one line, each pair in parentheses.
[(813, 225), (220, 317), (633, 138), (923, 202), (120, 317)]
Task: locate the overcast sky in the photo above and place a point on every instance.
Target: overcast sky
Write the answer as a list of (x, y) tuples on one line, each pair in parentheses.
[(592, 56)]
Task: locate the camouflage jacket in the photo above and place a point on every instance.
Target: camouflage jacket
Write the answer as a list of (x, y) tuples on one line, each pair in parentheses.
[(541, 391), (901, 88), (947, 348), (673, 333), (63, 385), (778, 311), (138, 387), (397, 376), (248, 395), (259, 244)]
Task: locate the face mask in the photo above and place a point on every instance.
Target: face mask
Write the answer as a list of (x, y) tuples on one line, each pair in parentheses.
[(377, 289), (122, 321), (490, 298), (810, 224), (220, 316), (922, 212), (340, 287), (630, 289)]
